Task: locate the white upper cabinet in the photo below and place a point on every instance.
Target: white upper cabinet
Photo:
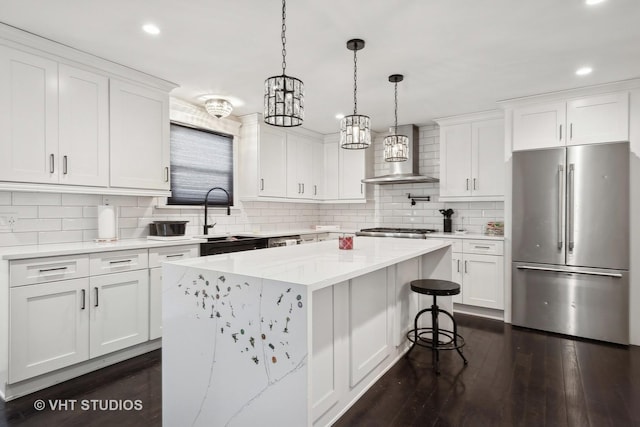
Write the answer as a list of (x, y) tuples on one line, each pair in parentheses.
[(28, 117), (139, 137), (331, 170), (299, 166), (317, 171), (351, 171), (471, 157), (83, 127), (78, 128), (585, 120), (272, 145)]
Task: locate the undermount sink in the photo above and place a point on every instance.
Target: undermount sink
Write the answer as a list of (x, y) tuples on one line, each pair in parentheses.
[(228, 238)]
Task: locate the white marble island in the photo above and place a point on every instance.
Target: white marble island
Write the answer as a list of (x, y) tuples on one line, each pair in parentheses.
[(288, 336)]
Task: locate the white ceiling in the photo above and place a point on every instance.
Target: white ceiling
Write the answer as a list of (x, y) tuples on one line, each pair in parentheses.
[(457, 56)]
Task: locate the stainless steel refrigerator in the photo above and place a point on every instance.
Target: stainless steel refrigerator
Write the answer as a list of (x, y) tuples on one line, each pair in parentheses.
[(571, 241)]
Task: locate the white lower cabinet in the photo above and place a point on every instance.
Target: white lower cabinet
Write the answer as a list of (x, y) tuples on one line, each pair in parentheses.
[(49, 327), (478, 266), (64, 310), (119, 307)]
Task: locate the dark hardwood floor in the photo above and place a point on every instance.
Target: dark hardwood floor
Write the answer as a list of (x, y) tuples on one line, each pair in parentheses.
[(515, 377)]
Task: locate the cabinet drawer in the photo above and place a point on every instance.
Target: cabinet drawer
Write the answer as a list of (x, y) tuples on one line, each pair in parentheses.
[(172, 253), (456, 244), (493, 247), (39, 270), (116, 261)]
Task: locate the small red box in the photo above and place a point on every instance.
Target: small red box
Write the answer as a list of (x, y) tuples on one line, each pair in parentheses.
[(345, 242)]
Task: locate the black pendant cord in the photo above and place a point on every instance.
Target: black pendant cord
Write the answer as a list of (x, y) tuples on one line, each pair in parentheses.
[(355, 82), (396, 108), (283, 36)]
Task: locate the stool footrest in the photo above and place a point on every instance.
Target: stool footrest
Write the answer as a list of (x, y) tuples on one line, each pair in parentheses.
[(423, 341)]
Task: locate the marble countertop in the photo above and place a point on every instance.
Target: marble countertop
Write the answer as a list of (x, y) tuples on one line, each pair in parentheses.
[(317, 265), (37, 251)]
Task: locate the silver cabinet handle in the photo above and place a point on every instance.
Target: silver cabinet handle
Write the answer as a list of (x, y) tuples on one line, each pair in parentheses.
[(557, 270), (560, 199), (84, 299), (315, 190), (120, 261), (44, 270), (166, 174), (560, 132), (474, 184), (299, 189), (458, 266), (465, 267), (261, 184), (467, 183), (52, 165), (570, 206), (571, 131), (482, 247), (95, 289), (361, 188), (64, 165), (175, 256), (303, 188)]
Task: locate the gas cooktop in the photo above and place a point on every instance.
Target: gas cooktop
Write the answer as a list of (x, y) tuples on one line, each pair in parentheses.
[(411, 233)]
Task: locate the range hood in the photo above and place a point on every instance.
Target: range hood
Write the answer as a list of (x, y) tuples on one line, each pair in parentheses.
[(404, 172)]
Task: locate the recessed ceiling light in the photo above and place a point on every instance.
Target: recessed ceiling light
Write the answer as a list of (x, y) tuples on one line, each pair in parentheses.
[(592, 2), (339, 116), (584, 71), (151, 29)]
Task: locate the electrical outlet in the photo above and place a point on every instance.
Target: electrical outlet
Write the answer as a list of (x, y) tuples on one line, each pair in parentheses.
[(8, 221)]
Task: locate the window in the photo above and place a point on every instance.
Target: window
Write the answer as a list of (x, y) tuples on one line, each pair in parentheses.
[(200, 159)]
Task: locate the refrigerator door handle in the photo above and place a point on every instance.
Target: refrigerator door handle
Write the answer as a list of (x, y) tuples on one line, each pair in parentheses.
[(570, 207), (558, 270), (560, 199)]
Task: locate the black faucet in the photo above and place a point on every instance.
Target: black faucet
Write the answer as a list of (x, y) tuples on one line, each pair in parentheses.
[(206, 204)]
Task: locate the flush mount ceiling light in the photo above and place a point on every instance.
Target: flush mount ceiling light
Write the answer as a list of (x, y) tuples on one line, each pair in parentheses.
[(396, 147), (592, 2), (283, 95), (583, 71), (355, 130), (218, 107), (151, 29)]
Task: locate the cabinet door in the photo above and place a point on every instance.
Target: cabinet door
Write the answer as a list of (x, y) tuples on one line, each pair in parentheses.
[(539, 126), (317, 170), (483, 281), (487, 158), (139, 130), (155, 303), (455, 160), (119, 306), (305, 167), (351, 174), (456, 275), (83, 127), (602, 118), (28, 117), (49, 327), (331, 171), (273, 162)]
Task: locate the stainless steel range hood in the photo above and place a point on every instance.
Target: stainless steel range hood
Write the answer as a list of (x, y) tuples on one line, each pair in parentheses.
[(407, 171)]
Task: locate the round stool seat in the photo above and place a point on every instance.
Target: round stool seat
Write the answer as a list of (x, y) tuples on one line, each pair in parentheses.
[(435, 287)]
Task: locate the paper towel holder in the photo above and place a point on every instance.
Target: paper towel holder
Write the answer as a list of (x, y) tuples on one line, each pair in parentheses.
[(107, 224)]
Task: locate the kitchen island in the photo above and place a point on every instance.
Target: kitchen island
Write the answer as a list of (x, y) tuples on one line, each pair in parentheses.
[(288, 336)]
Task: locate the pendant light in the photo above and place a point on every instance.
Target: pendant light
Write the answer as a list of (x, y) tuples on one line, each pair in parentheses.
[(355, 130), (396, 147), (283, 95)]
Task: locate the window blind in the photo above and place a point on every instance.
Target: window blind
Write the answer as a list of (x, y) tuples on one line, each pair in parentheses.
[(200, 159)]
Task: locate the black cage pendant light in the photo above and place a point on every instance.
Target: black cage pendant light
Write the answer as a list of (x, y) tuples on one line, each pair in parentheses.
[(396, 147), (355, 130), (283, 95)]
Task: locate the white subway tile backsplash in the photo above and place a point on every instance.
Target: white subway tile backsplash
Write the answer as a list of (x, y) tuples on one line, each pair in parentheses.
[(36, 199), (81, 199), (60, 211), (47, 237), (18, 239), (37, 225), (79, 223), (21, 211)]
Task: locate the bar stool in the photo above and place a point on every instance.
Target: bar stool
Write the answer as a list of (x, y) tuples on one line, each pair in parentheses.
[(435, 338)]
